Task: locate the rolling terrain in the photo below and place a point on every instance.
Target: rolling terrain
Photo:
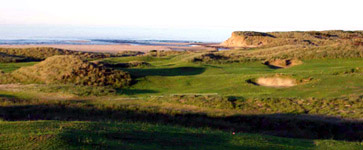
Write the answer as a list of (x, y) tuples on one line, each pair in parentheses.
[(283, 90)]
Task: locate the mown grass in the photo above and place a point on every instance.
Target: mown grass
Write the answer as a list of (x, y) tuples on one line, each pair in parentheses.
[(9, 67), (128, 135), (328, 79)]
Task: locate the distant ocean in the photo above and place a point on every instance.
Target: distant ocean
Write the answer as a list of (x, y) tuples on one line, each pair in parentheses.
[(31, 35)]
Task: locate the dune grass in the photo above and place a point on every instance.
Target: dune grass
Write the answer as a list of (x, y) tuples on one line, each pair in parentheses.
[(68, 69)]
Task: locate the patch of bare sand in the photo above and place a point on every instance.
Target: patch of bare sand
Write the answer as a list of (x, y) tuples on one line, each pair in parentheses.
[(40, 95), (14, 87), (276, 82)]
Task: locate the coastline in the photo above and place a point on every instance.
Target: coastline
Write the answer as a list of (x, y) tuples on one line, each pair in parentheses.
[(115, 48)]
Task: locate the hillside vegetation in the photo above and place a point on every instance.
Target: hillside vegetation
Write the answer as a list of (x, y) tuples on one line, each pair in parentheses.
[(8, 55), (272, 46), (69, 69), (313, 38)]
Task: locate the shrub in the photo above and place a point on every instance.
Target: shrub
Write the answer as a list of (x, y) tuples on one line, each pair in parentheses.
[(210, 57), (124, 65), (4, 58), (162, 53), (129, 53)]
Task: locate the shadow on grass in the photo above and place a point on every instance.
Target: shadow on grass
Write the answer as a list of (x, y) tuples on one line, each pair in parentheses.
[(126, 138), (273, 67), (135, 91), (252, 81), (8, 58), (180, 71), (285, 125), (11, 99), (7, 96)]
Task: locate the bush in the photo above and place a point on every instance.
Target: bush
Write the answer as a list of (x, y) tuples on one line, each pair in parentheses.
[(162, 53), (124, 65), (210, 57), (129, 53)]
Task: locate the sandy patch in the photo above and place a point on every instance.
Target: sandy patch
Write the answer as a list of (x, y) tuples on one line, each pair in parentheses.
[(276, 82), (15, 87)]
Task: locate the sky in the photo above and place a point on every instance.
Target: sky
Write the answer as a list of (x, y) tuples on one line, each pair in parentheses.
[(188, 19)]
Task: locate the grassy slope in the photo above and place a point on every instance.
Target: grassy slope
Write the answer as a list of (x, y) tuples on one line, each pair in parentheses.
[(9, 67), (230, 79), (124, 135)]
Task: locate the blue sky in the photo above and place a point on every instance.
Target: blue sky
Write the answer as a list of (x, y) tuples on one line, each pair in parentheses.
[(198, 19)]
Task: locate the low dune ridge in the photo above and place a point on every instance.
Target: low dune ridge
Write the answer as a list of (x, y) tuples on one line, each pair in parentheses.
[(313, 38)]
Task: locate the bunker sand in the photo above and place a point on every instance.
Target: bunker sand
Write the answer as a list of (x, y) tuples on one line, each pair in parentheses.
[(276, 82)]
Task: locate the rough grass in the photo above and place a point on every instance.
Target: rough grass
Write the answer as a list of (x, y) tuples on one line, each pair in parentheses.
[(140, 136), (70, 69), (77, 90), (335, 51), (5, 58), (130, 64), (156, 53), (10, 55), (346, 107), (280, 117)]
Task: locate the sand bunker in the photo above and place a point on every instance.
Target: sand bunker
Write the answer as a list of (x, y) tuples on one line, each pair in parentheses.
[(282, 63), (276, 82)]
